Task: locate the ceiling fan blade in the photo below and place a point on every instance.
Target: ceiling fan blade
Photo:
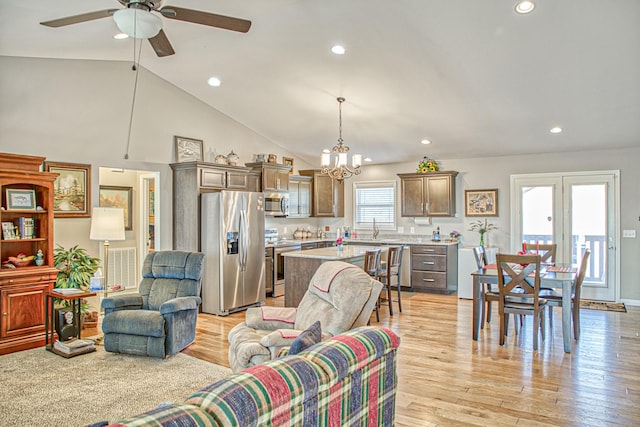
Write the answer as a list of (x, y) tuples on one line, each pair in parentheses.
[(160, 43), (206, 18), (76, 19)]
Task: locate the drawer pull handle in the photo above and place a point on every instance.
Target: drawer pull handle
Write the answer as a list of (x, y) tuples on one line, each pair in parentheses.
[(428, 262), (428, 280), (429, 250)]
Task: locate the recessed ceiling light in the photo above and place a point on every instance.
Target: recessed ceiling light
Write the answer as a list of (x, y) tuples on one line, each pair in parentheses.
[(338, 50), (425, 142), (214, 81), (555, 129), (121, 36), (367, 159), (525, 6)]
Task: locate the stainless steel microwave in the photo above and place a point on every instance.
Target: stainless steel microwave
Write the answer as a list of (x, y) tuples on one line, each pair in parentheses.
[(276, 204)]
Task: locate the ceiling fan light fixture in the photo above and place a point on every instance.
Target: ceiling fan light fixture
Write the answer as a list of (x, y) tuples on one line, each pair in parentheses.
[(138, 23)]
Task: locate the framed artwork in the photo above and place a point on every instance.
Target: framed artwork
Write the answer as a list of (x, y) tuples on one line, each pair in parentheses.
[(71, 189), (481, 202), (118, 197), (21, 199), (188, 150), (289, 162)]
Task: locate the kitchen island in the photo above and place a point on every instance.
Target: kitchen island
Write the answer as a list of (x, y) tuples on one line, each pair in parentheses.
[(300, 267)]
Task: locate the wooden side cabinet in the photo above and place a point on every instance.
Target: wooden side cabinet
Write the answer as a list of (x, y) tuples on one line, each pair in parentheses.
[(299, 196), (327, 194), (23, 289), (430, 194), (434, 268)]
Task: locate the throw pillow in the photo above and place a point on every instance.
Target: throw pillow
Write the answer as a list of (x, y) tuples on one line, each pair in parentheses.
[(310, 336)]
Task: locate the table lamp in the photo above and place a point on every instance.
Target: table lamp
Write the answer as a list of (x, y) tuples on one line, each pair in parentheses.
[(107, 224)]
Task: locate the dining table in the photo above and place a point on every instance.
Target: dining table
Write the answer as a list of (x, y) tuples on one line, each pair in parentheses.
[(558, 277)]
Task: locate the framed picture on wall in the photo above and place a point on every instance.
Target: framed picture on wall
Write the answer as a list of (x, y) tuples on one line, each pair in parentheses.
[(188, 150), (289, 162), (118, 197), (481, 202), (71, 189)]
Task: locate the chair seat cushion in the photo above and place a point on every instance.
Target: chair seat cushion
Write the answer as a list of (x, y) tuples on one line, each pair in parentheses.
[(135, 322)]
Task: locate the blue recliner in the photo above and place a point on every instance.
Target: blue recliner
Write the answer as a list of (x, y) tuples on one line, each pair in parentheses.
[(160, 319)]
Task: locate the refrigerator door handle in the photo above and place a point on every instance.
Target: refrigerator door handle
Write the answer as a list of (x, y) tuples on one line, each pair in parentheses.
[(243, 240)]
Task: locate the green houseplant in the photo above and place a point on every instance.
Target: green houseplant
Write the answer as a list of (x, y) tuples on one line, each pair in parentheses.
[(75, 269)]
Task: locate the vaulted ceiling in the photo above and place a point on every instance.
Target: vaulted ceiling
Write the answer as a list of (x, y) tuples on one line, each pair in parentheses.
[(474, 77)]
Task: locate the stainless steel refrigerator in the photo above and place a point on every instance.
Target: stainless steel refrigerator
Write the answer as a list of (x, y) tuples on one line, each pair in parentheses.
[(232, 240)]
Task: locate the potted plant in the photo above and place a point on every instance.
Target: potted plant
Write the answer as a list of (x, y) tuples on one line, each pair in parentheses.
[(75, 269)]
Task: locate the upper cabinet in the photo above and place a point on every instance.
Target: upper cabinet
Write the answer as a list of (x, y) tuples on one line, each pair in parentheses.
[(299, 196), (428, 194), (275, 177), (327, 198)]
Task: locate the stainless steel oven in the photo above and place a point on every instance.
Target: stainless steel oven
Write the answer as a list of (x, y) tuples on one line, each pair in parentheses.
[(278, 265)]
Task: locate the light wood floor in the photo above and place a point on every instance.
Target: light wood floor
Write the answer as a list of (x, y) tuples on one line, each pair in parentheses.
[(445, 378)]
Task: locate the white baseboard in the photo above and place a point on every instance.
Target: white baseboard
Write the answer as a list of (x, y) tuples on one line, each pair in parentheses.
[(633, 302)]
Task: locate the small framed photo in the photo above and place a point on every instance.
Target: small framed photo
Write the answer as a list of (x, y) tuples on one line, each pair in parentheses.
[(481, 202), (118, 197), (289, 162), (71, 189), (188, 150), (8, 231), (21, 199)]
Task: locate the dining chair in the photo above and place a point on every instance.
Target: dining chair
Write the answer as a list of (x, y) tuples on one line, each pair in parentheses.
[(371, 267), (554, 297), (519, 286), (547, 251), (489, 294), (388, 271)]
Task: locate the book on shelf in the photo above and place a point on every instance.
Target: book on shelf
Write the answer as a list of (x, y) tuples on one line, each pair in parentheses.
[(25, 227), (8, 231), (68, 291)]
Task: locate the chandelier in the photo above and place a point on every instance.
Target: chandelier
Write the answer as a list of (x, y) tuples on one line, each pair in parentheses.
[(340, 171)]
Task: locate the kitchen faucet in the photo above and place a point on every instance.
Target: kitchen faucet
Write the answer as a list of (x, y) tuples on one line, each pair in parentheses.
[(376, 230)]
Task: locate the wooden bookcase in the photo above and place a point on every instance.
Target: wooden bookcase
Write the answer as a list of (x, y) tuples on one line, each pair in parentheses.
[(23, 289)]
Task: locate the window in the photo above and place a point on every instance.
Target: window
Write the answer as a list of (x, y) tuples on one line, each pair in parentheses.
[(375, 199)]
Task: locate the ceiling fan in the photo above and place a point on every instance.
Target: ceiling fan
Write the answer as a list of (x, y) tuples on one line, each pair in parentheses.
[(137, 20)]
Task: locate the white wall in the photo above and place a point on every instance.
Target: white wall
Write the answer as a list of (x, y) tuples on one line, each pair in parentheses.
[(78, 111)]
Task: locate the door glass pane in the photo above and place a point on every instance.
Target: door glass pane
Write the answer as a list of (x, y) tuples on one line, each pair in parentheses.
[(537, 214), (588, 229)]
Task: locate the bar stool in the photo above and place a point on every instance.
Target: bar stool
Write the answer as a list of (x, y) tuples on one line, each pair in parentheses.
[(371, 267), (388, 272)]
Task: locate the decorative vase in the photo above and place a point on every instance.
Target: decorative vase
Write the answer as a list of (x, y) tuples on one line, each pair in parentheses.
[(481, 239)]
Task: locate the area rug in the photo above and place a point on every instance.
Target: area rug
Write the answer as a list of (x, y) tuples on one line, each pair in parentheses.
[(39, 388), (603, 305)]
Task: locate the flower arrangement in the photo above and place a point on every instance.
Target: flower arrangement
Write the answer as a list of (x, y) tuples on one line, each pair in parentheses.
[(428, 165), (482, 228), (339, 241)]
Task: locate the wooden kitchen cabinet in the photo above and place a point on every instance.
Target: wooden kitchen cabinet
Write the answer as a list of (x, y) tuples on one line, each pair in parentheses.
[(275, 177), (432, 194), (327, 194), (190, 179), (299, 196), (434, 268), (23, 289)]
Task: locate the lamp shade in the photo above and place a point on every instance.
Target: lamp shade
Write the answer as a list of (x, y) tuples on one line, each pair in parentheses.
[(107, 224), (137, 23)]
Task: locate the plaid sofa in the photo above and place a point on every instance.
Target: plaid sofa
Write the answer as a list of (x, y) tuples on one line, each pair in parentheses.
[(349, 379)]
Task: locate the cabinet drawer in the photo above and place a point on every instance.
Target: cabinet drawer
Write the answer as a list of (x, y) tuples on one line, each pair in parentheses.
[(429, 262), (27, 280), (428, 280), (438, 250)]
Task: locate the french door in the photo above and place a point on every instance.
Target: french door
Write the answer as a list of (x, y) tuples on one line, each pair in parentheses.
[(577, 211)]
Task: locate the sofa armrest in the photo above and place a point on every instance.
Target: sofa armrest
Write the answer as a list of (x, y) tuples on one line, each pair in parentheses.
[(122, 302), (179, 304), (269, 318)]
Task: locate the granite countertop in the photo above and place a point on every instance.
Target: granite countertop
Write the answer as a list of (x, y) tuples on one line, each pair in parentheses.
[(348, 252), (407, 241)]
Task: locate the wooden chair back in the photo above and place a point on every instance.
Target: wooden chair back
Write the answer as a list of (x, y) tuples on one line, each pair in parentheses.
[(372, 262), (580, 277), (547, 251), (394, 259), (519, 277), (480, 255)]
